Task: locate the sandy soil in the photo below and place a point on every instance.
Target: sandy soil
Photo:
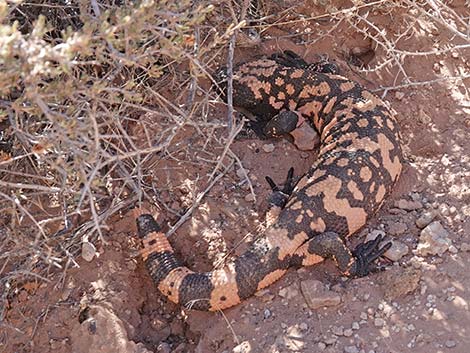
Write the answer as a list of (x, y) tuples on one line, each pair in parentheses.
[(110, 303)]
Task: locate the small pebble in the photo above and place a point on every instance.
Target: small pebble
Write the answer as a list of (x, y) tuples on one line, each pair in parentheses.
[(396, 251), (268, 147), (379, 322), (164, 347), (465, 247), (433, 240), (88, 251), (321, 346), (244, 347), (330, 341), (289, 292), (338, 331), (450, 344), (317, 295), (426, 218), (131, 265), (397, 228), (408, 205), (250, 197), (399, 95), (267, 314), (241, 173), (348, 332), (351, 349), (355, 325)]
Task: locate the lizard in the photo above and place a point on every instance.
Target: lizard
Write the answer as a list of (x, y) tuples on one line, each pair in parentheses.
[(359, 162)]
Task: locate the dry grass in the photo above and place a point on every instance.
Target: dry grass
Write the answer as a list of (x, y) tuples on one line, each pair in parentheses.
[(85, 114)]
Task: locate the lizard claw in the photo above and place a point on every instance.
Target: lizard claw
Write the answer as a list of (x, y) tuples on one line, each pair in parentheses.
[(280, 195), (288, 184), (366, 254)]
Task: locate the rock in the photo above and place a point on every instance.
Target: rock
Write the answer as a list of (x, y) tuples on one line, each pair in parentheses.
[(338, 330), (408, 205), (103, 331), (374, 234), (397, 228), (160, 326), (321, 346), (453, 249), (289, 292), (241, 173), (397, 251), (177, 327), (398, 281), (267, 314), (244, 347), (355, 325), (131, 265), (379, 322), (164, 347), (348, 332), (317, 295), (305, 138), (399, 95), (416, 196), (181, 348), (294, 340), (88, 251), (250, 197), (433, 240), (397, 211), (450, 344), (331, 341), (268, 147), (465, 247), (444, 209), (426, 218), (351, 349)]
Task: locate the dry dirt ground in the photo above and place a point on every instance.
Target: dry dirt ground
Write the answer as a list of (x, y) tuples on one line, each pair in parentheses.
[(420, 304)]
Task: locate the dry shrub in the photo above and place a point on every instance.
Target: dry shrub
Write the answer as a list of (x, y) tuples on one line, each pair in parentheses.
[(75, 77)]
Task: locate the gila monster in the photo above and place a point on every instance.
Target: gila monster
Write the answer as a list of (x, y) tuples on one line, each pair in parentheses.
[(360, 159)]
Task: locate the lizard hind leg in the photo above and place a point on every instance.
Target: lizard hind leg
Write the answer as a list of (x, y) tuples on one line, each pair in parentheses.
[(358, 263), (323, 246)]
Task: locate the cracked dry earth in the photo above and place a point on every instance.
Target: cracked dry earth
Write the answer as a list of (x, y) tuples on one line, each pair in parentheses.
[(419, 304)]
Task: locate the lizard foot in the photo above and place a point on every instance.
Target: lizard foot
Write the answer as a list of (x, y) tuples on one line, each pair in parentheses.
[(291, 59), (279, 196), (366, 254)]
